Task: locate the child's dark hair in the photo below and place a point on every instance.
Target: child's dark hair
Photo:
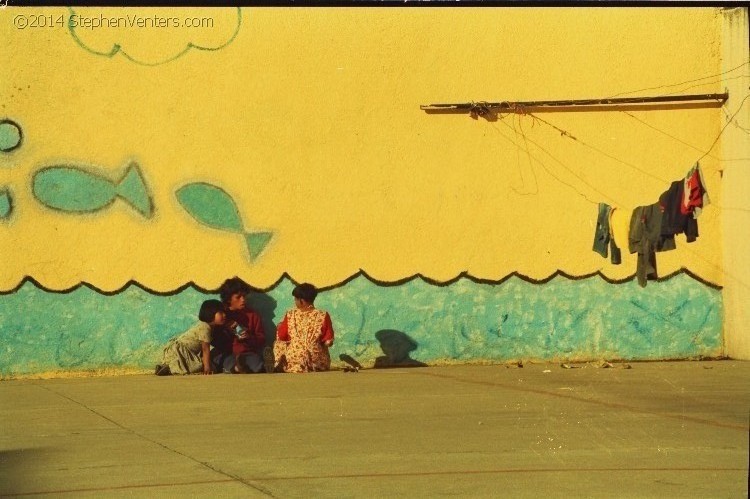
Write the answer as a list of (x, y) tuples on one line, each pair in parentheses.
[(209, 309), (305, 291), (231, 287)]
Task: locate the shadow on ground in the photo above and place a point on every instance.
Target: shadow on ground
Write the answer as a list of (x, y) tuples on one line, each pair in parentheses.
[(17, 467), (397, 347)]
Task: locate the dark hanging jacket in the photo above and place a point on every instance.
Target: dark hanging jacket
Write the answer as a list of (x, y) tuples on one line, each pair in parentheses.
[(645, 239), (673, 220)]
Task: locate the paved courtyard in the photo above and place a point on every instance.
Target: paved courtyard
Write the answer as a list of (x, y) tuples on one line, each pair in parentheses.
[(661, 429)]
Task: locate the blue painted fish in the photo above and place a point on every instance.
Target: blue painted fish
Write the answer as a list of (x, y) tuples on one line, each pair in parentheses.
[(74, 189), (212, 206)]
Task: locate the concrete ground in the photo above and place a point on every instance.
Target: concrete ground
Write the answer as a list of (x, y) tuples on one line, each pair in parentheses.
[(668, 429)]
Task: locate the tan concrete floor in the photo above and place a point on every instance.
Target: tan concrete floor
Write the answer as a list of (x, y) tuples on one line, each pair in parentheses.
[(668, 429)]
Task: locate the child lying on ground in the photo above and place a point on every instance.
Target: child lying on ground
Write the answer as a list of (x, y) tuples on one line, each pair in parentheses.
[(189, 352)]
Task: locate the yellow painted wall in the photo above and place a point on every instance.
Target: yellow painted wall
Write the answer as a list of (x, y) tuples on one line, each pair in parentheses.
[(310, 119)]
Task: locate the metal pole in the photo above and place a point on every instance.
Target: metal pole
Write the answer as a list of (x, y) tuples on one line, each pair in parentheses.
[(481, 107)]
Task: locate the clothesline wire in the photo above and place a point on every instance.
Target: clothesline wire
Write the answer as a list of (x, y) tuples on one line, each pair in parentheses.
[(744, 129), (565, 133), (729, 121), (519, 110), (682, 83), (568, 134), (695, 254), (518, 163), (682, 141), (519, 148), (565, 167), (541, 163), (668, 134), (725, 127), (526, 144), (557, 161), (706, 83), (736, 124)]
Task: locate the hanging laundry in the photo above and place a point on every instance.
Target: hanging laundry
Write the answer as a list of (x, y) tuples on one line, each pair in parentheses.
[(619, 225), (616, 257), (695, 196), (673, 220), (653, 227), (645, 239), (603, 235)]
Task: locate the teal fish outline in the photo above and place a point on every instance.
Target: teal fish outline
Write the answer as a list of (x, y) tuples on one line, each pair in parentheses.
[(117, 48), (213, 207), (6, 203), (8, 124), (73, 188)]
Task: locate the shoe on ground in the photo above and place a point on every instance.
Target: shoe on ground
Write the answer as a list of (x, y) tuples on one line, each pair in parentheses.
[(162, 370), (268, 361), (240, 368)]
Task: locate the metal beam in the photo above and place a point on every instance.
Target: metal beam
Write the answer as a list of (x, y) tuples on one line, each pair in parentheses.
[(482, 107)]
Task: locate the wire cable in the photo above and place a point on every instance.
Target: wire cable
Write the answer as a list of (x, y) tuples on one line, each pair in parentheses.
[(569, 170), (728, 116), (669, 135), (682, 83), (565, 133), (544, 166), (725, 127), (706, 83)]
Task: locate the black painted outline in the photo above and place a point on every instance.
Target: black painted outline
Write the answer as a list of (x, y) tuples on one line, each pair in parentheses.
[(20, 134), (361, 273)]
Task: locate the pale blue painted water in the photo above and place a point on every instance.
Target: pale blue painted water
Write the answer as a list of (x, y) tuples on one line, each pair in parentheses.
[(561, 320)]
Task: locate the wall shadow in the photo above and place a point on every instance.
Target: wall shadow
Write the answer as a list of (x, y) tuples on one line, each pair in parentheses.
[(266, 307), (21, 469), (397, 347)]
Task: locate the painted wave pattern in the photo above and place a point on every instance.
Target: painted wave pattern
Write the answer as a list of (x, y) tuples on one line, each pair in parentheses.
[(562, 319)]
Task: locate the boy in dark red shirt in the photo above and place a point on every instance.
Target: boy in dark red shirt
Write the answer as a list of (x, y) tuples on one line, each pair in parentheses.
[(244, 326)]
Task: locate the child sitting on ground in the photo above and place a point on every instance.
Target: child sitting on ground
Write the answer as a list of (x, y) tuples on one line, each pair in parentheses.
[(189, 352), (245, 329)]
